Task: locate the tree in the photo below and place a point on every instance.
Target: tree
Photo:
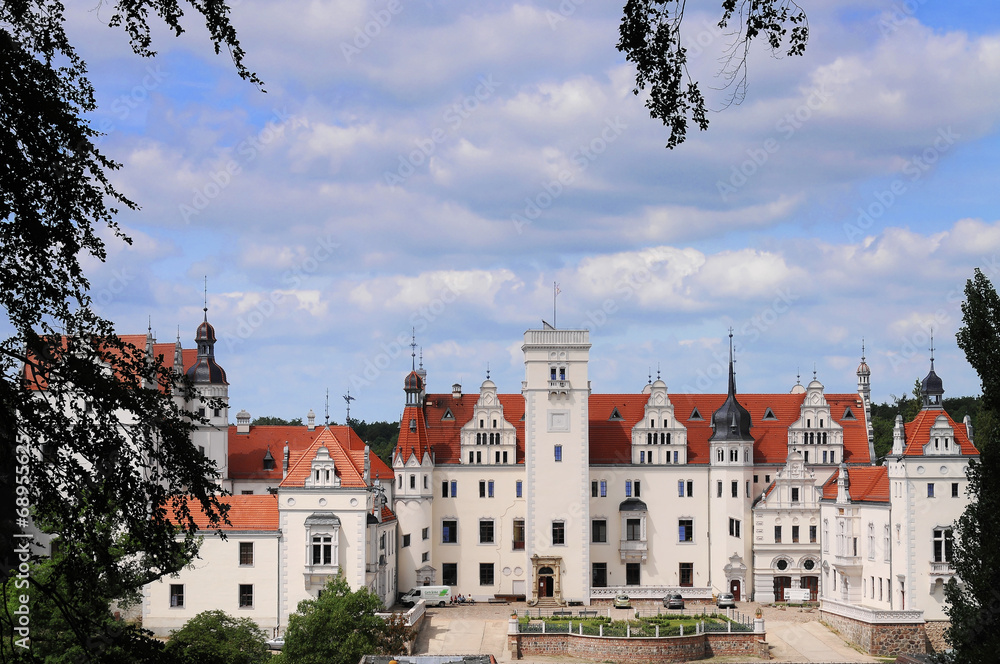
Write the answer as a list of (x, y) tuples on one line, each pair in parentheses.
[(340, 626), (974, 604), (650, 36), (215, 637), (268, 420), (105, 490)]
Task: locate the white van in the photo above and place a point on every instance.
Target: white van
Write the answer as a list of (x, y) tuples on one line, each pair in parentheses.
[(439, 595)]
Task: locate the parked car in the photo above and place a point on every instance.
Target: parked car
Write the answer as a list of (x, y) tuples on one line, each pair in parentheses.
[(622, 601), (726, 601), (276, 643), (673, 601)]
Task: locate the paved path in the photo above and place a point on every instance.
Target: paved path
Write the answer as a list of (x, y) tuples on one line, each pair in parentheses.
[(482, 629)]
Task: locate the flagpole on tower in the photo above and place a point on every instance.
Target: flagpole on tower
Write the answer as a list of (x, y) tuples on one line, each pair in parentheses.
[(555, 291)]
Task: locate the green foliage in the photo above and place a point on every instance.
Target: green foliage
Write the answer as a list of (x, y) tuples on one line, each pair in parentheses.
[(107, 491), (650, 37), (270, 420), (340, 627), (974, 605), (215, 637)]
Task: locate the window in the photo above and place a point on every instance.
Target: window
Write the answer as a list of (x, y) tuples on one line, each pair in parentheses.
[(812, 534), (719, 489), (734, 527), (685, 529), (795, 495), (599, 531), (736, 489), (558, 532), (930, 489), (489, 489), (486, 531), (943, 542), (413, 481), (686, 574), (954, 489), (454, 488), (518, 488), (604, 488), (449, 531), (482, 489), (795, 534), (767, 479), (486, 574), (633, 530), (177, 595), (246, 553), (406, 540), (690, 487), (449, 574), (755, 479), (246, 492), (871, 541), (777, 534), (680, 488), (628, 488), (246, 596), (599, 575), (444, 489), (631, 574), (593, 489), (518, 538), (425, 534), (558, 452), (322, 550), (635, 486), (425, 556)]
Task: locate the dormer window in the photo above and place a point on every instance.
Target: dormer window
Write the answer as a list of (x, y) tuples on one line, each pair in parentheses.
[(448, 415), (695, 414), (849, 414), (769, 414), (615, 415), (413, 425)]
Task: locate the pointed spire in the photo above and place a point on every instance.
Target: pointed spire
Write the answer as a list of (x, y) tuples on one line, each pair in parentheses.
[(862, 349), (178, 353), (348, 398), (487, 371), (413, 350), (732, 371), (657, 371), (932, 349), (649, 377), (328, 408)]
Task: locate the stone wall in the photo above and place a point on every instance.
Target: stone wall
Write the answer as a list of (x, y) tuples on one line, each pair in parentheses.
[(935, 635), (635, 650), (880, 639)]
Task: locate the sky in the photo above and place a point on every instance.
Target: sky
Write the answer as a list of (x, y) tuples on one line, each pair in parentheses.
[(430, 170)]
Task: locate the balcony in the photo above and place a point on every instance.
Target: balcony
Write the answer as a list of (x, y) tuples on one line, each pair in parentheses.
[(559, 388), (633, 551)]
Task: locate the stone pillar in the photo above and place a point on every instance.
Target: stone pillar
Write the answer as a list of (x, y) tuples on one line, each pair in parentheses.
[(758, 626)]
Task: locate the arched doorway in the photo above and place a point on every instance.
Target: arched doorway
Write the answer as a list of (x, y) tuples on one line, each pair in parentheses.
[(781, 583), (734, 588), (545, 581)]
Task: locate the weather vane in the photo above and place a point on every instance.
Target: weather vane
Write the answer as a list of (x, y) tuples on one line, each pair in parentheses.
[(348, 398)]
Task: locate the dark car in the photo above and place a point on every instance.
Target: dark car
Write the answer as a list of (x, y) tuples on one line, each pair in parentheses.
[(673, 601), (726, 601)]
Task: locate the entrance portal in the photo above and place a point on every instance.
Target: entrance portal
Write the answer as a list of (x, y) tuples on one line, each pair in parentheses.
[(545, 582), (780, 584), (734, 588)]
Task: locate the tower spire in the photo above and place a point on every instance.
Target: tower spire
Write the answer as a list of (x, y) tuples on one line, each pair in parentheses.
[(328, 408), (205, 308), (732, 371), (413, 350), (932, 349), (348, 398)]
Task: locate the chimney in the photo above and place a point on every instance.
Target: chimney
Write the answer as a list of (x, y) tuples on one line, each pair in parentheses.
[(284, 462), (311, 420), (456, 391), (243, 422), (843, 485)]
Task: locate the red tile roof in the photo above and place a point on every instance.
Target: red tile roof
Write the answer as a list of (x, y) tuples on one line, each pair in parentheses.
[(246, 451), (257, 512), (918, 433), (348, 453), (869, 484), (387, 514), (611, 440)]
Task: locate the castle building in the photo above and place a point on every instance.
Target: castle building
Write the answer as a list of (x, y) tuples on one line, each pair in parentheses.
[(324, 509), (560, 495)]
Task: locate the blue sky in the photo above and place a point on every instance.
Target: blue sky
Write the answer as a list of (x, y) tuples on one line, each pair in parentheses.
[(444, 169)]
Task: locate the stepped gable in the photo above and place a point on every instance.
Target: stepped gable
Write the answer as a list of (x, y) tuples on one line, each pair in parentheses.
[(866, 484), (258, 512), (918, 432), (446, 434)]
